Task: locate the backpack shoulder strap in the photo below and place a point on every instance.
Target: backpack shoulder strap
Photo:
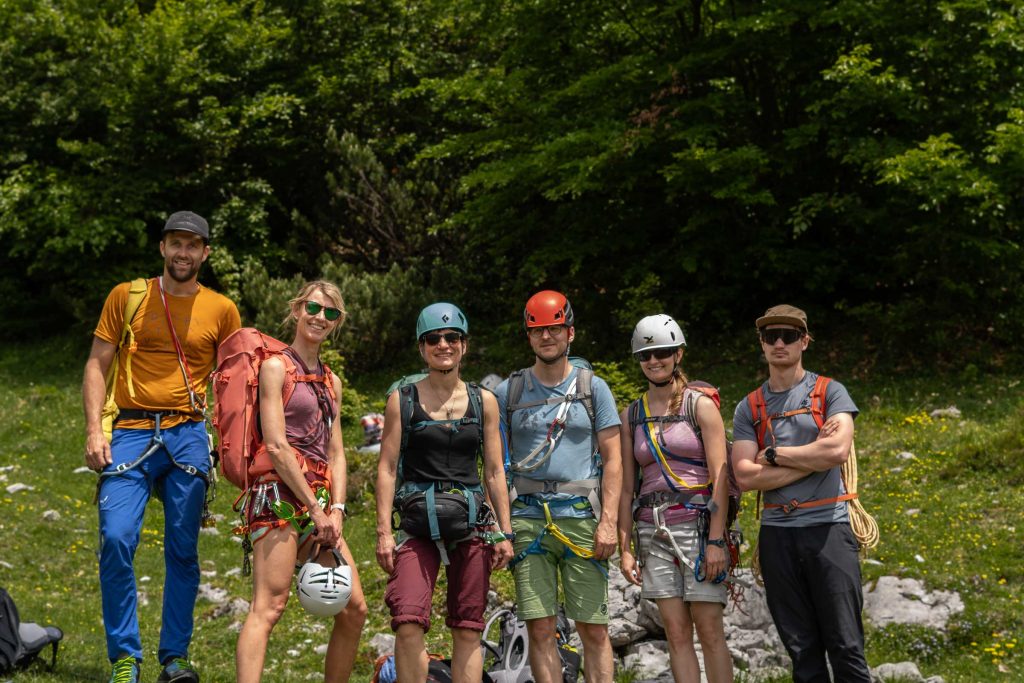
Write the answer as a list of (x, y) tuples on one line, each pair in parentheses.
[(136, 293), (516, 384), (585, 392), (691, 397), (818, 395), (635, 409), (758, 413), (476, 403), (405, 411)]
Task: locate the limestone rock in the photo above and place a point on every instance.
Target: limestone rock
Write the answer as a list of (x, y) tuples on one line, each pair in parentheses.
[(892, 600)]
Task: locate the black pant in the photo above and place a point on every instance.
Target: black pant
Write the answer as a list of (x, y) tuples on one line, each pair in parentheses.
[(812, 583)]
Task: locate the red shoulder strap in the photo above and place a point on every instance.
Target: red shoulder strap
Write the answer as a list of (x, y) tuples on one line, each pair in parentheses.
[(759, 414), (818, 394)]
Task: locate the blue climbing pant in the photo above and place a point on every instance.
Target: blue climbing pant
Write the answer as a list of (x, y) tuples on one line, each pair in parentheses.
[(122, 504)]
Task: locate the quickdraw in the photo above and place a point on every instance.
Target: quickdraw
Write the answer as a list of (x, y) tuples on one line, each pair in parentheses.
[(542, 453)]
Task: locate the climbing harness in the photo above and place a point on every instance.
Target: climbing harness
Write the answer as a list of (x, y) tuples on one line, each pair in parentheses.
[(571, 548)]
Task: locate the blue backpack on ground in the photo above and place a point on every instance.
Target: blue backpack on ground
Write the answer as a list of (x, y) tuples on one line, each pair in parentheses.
[(21, 642)]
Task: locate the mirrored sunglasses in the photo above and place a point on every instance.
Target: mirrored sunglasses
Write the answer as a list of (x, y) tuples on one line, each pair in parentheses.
[(313, 308)]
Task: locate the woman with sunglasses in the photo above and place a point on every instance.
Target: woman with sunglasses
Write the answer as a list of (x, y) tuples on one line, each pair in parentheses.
[(430, 450), (681, 505), (290, 512)]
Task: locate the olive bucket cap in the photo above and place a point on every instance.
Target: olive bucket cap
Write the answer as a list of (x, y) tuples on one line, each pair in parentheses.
[(783, 314)]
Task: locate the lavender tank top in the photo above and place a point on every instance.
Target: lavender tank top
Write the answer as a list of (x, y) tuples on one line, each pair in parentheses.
[(305, 424), (681, 440)]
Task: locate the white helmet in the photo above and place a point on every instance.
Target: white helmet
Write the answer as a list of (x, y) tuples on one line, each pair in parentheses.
[(324, 591), (657, 332)]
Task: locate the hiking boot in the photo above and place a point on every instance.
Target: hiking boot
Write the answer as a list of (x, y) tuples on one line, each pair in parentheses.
[(126, 670), (180, 670)]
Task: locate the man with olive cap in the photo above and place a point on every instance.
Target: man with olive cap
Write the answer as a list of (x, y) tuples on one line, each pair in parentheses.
[(165, 352), (792, 436)]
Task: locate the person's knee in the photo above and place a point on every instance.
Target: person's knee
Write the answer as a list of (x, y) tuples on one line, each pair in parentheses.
[(541, 630), (592, 634), (270, 609), (353, 616), (408, 636)]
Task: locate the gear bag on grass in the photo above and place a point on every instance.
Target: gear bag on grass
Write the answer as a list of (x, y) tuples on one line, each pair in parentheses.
[(444, 515), (22, 642), (236, 384), (512, 652)]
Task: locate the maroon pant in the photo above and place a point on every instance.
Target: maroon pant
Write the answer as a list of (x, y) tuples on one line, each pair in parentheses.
[(411, 586)]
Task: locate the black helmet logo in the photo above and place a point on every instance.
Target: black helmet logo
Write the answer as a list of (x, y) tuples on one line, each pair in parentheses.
[(445, 317), (649, 340)]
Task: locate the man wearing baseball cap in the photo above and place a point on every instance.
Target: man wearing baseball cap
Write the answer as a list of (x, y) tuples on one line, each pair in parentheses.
[(159, 338), (792, 436)]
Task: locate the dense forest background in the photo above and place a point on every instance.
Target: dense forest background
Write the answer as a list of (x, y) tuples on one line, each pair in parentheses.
[(860, 158)]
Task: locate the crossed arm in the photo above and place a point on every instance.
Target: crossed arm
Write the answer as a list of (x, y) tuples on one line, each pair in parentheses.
[(831, 448)]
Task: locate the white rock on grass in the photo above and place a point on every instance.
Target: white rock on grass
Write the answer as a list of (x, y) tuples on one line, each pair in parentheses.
[(6, 565), (51, 516), (210, 531), (892, 600), (320, 650), (235, 608), (951, 412), (904, 672), (217, 596), (383, 643), (15, 488), (906, 455), (648, 660)]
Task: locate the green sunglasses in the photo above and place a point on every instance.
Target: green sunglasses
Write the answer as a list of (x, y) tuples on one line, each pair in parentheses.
[(331, 314)]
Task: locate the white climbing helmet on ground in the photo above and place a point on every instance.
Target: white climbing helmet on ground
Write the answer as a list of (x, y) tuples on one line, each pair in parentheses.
[(324, 590), (657, 332)]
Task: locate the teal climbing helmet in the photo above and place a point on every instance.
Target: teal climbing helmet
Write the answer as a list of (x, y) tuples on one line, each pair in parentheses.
[(441, 316)]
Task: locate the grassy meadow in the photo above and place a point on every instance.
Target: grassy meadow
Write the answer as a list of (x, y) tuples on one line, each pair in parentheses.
[(950, 515)]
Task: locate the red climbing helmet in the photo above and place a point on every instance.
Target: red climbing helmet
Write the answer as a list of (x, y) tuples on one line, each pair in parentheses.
[(547, 308)]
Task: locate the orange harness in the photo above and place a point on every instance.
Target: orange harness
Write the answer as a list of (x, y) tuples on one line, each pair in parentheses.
[(763, 426)]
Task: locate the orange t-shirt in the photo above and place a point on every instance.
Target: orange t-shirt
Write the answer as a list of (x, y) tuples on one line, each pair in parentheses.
[(202, 322)]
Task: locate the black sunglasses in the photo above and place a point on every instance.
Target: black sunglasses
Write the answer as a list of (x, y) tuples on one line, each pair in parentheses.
[(660, 354), (434, 338), (313, 308), (787, 334)]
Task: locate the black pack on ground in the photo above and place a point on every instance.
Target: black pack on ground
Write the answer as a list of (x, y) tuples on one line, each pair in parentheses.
[(22, 642)]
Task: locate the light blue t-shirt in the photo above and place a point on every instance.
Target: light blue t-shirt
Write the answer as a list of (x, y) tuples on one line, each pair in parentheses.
[(573, 458), (798, 431)]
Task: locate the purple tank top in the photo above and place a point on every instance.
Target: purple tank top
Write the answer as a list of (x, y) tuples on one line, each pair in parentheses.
[(305, 425), (681, 440)]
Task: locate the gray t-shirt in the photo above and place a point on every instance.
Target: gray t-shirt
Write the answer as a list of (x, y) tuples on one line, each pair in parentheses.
[(798, 431)]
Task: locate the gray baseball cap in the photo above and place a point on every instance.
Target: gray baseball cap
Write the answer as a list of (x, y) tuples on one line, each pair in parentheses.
[(189, 222)]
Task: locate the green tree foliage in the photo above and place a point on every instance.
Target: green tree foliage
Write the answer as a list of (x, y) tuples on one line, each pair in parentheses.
[(706, 158)]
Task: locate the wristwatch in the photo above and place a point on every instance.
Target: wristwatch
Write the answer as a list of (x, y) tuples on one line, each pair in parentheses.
[(509, 535), (769, 455), (720, 542), (339, 506)]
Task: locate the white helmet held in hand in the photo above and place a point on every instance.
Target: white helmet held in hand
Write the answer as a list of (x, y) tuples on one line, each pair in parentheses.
[(657, 332), (323, 590)]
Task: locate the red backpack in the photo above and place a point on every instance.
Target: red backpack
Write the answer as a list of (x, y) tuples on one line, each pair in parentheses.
[(236, 384)]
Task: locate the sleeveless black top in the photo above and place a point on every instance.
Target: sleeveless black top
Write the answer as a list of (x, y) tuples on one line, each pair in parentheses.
[(441, 452)]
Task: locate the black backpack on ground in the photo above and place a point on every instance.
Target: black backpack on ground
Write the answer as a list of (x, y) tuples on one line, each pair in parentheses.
[(21, 642)]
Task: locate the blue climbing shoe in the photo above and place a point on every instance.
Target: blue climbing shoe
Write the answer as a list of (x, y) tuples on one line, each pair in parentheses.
[(180, 671), (126, 670)]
